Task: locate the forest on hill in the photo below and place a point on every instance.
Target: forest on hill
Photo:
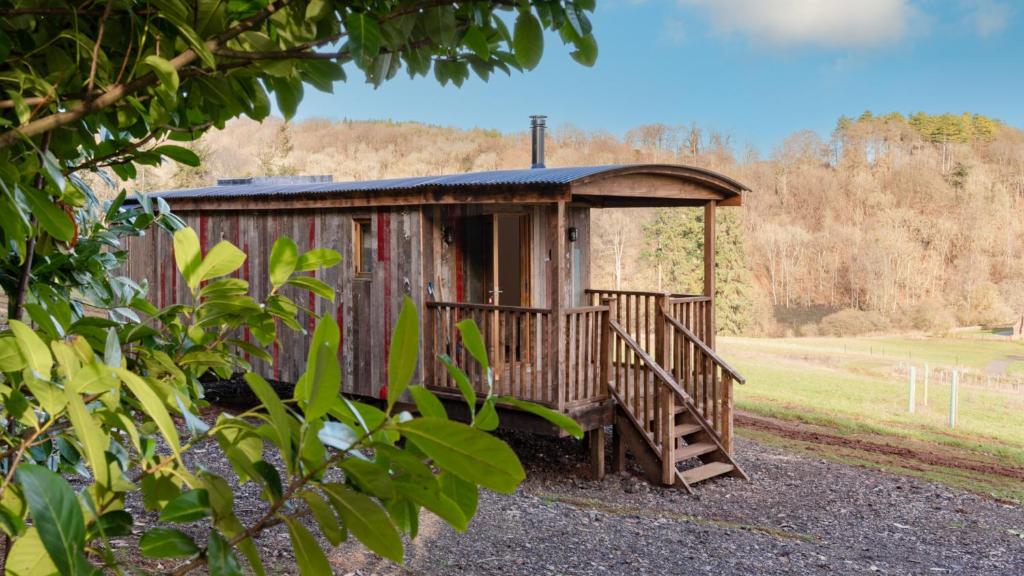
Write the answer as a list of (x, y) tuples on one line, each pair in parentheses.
[(891, 223)]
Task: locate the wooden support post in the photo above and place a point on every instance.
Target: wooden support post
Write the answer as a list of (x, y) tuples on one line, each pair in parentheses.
[(668, 436), (559, 303), (618, 443), (727, 414), (595, 445), (709, 272), (606, 345), (666, 430)]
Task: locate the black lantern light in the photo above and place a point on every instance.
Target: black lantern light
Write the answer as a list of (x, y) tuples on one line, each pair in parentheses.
[(574, 234), (448, 235)]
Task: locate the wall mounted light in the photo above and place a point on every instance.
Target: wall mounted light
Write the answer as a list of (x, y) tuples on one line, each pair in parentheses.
[(448, 235), (574, 234)]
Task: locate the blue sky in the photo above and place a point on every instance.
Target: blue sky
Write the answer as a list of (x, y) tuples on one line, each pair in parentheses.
[(757, 70)]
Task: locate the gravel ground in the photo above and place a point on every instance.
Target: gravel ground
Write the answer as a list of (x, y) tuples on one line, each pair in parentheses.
[(797, 516)]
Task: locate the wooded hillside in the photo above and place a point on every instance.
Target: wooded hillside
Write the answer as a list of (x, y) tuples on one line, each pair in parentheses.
[(893, 222)]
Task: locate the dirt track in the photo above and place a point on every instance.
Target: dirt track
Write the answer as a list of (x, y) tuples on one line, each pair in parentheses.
[(907, 452)]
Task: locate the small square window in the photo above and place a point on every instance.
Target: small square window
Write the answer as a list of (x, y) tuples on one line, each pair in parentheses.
[(362, 235)]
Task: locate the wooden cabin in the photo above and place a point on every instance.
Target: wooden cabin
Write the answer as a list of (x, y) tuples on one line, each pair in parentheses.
[(512, 250)]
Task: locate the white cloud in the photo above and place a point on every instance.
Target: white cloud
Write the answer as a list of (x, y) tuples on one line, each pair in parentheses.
[(839, 23), (987, 17)]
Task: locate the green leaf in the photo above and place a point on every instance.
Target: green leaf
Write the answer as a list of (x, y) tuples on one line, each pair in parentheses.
[(317, 258), (314, 285), (153, 407), (557, 418), (279, 420), (366, 520), (464, 493), (187, 255), (93, 438), (179, 154), (11, 359), (461, 380), (337, 435), (50, 216), (189, 506), (56, 514), (477, 42), (166, 543), (404, 353), (586, 51), (428, 404), (21, 108), (429, 496), (466, 452), (370, 477), (324, 516), (322, 379), (284, 256), (33, 350), (220, 558), (28, 556), (474, 342), (528, 40), (308, 554), (222, 259), (53, 170), (317, 9), (487, 418), (167, 75), (364, 34)]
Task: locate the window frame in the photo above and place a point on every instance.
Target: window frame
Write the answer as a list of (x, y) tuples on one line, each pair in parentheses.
[(363, 270)]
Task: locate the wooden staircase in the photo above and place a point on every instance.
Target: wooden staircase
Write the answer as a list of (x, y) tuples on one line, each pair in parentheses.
[(677, 441)]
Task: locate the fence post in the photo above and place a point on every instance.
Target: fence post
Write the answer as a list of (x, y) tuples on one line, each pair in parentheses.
[(925, 398), (913, 389), (953, 400)]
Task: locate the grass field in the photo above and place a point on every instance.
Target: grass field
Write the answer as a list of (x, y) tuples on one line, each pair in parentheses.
[(847, 386)]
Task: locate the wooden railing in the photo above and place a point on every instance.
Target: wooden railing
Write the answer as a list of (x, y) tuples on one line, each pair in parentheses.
[(706, 378), (586, 339), (637, 312), (520, 346), (694, 312)]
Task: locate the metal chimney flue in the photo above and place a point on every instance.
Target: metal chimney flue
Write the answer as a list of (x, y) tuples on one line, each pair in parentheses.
[(537, 124)]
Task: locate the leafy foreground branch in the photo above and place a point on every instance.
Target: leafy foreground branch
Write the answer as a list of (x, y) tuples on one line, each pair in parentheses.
[(93, 376), (104, 408)]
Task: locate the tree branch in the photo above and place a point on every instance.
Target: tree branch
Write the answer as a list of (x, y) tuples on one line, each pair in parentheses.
[(117, 92)]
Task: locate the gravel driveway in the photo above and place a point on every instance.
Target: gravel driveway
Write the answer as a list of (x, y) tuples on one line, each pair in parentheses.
[(798, 516)]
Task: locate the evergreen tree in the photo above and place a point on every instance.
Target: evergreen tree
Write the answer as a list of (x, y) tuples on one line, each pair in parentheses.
[(675, 248)]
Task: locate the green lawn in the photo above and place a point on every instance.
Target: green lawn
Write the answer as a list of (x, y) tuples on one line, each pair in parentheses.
[(971, 353), (838, 383)]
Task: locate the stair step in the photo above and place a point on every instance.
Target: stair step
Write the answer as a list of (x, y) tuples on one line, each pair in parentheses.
[(687, 429), (694, 450), (710, 470)]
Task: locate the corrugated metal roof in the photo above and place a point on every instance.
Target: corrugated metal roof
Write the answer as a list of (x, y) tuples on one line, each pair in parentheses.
[(245, 187)]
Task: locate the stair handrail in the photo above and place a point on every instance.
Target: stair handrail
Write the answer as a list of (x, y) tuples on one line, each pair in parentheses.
[(680, 327), (666, 450), (656, 368)]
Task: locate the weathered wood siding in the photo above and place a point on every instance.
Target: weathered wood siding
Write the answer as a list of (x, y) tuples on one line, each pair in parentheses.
[(365, 308)]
